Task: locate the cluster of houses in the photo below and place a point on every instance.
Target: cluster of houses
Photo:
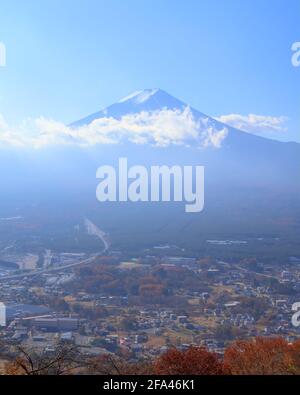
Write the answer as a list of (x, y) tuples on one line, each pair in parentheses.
[(32, 324)]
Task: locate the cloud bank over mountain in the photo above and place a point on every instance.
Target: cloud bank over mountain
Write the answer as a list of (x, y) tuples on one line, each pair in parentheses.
[(149, 116), (160, 127), (257, 124)]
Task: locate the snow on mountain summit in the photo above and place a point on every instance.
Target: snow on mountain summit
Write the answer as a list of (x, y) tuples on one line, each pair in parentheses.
[(139, 96)]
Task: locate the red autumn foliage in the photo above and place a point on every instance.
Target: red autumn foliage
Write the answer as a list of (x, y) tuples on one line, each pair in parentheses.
[(260, 356), (196, 360), (263, 356)]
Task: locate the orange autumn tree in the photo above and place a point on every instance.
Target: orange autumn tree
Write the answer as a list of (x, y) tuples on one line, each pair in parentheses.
[(196, 360), (262, 356), (294, 351)]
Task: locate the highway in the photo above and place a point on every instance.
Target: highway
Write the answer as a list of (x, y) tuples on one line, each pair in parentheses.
[(92, 230), (54, 269)]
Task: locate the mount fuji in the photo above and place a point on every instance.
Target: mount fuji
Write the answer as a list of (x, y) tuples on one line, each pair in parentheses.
[(252, 187), (241, 157)]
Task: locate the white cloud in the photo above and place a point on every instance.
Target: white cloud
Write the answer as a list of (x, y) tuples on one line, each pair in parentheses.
[(161, 128), (255, 123)]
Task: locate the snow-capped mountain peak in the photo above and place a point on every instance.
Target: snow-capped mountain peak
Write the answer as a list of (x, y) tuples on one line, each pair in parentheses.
[(142, 100), (140, 96)]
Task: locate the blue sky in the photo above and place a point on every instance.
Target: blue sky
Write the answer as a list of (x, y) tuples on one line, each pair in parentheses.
[(67, 59)]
